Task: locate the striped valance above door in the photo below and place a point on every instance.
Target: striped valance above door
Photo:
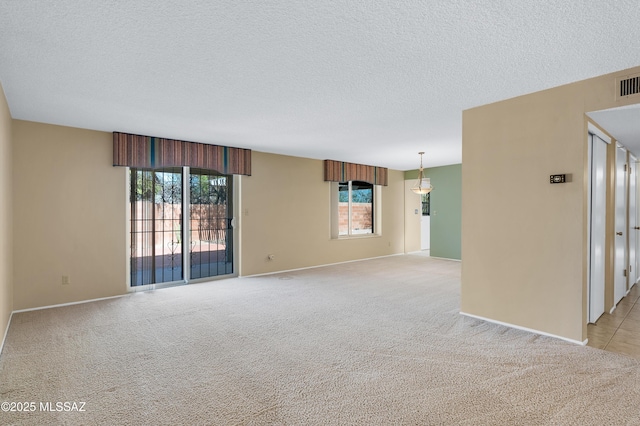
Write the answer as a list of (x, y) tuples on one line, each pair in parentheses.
[(339, 171), (147, 152)]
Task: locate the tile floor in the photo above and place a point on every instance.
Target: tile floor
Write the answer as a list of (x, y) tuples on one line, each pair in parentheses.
[(620, 331)]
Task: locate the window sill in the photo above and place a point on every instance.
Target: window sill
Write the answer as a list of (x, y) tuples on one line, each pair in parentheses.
[(356, 237)]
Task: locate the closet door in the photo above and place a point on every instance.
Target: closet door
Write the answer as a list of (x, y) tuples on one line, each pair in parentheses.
[(598, 226)]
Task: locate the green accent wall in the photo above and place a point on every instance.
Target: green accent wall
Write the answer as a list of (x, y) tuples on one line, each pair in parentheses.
[(446, 209)]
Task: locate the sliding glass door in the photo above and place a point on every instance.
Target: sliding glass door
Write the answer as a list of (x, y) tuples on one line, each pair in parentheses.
[(163, 248)]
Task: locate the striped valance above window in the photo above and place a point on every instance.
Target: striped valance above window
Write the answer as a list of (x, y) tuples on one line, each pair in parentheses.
[(148, 152), (339, 171)]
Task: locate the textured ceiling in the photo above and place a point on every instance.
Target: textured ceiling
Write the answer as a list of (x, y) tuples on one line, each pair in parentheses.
[(371, 82)]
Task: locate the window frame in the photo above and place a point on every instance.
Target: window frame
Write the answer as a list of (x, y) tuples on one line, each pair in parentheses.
[(376, 212)]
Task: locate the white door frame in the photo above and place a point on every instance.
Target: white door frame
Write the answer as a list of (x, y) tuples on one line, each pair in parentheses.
[(620, 264)]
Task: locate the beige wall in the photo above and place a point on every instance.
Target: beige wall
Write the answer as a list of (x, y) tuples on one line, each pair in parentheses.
[(523, 239), (70, 211), (6, 235), (285, 211), (69, 215)]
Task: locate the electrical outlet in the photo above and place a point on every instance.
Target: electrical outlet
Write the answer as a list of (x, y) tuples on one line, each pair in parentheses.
[(271, 256), (66, 280)]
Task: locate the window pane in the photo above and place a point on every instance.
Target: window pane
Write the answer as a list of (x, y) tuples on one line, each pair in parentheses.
[(426, 204), (355, 208), (343, 208), (361, 208)]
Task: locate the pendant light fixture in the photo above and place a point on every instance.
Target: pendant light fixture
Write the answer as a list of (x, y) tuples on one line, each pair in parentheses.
[(423, 185)]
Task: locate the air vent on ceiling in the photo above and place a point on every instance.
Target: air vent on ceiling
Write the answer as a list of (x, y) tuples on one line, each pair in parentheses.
[(628, 86)]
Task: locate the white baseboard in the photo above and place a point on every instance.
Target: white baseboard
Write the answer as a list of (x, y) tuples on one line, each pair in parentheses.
[(68, 304), (318, 266), (530, 330), (6, 331), (49, 307), (446, 258)]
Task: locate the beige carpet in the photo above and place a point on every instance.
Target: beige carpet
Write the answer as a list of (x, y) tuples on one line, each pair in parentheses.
[(372, 342)]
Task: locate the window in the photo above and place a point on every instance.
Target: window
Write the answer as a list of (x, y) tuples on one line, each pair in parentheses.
[(355, 208), (426, 204)]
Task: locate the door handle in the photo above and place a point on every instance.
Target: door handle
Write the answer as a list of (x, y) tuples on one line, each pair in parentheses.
[(619, 233), (637, 228)]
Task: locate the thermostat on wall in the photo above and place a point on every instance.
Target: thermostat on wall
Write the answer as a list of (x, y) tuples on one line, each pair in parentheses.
[(557, 178)]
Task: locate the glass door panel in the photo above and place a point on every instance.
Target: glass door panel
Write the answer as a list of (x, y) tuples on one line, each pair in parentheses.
[(210, 227), (156, 226)]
